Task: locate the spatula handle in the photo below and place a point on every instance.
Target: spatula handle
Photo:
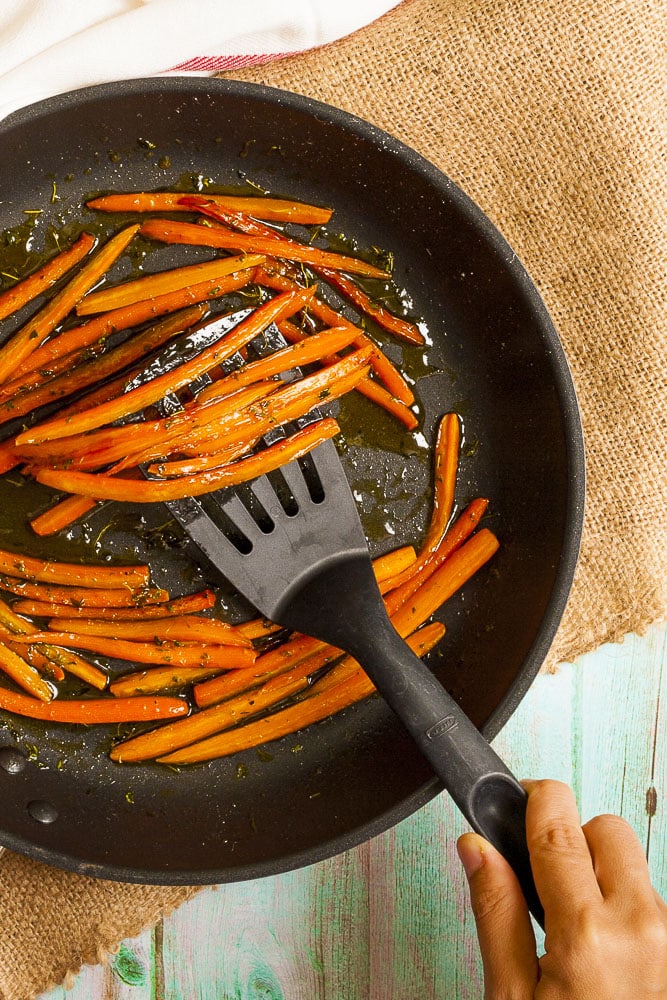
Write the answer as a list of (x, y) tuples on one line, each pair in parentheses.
[(482, 786)]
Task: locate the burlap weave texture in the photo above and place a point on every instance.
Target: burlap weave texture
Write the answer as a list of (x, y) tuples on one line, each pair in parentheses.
[(551, 117)]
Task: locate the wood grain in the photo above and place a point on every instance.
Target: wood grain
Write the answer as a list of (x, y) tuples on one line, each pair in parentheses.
[(390, 919)]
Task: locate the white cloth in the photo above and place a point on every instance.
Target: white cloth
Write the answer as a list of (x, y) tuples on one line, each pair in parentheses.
[(48, 47)]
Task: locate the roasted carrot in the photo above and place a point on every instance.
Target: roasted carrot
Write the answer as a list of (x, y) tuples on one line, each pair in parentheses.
[(222, 716), (177, 628), (50, 571), (29, 337), (132, 490), (177, 606), (354, 686), (83, 596), (163, 283), (33, 285), (446, 464), (38, 659), (24, 674), (61, 515), (174, 231), (156, 679), (143, 396), (273, 209), (94, 711), (79, 337), (167, 652), (30, 392)]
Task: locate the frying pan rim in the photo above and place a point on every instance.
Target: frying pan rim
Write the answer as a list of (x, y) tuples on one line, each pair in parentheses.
[(574, 443)]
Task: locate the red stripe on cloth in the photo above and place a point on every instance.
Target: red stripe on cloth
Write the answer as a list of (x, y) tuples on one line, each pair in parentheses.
[(202, 64)]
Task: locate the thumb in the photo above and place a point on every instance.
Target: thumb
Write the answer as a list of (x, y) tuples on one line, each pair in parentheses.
[(506, 939)]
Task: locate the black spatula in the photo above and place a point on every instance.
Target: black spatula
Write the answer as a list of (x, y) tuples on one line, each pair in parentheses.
[(295, 548)]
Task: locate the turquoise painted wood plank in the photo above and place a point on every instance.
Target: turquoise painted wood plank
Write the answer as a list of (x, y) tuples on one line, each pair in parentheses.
[(390, 918)]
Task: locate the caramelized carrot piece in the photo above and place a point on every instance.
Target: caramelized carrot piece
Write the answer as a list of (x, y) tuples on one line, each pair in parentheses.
[(83, 596), (80, 337), (163, 283), (446, 464), (177, 628), (44, 277), (61, 515), (33, 390), (26, 340), (177, 606), (272, 209), (145, 395), (94, 711), (49, 571), (36, 658), (353, 685), (170, 231), (103, 487), (23, 674)]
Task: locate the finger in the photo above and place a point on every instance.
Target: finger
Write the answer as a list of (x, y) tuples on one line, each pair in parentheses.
[(506, 939), (559, 854), (618, 857)]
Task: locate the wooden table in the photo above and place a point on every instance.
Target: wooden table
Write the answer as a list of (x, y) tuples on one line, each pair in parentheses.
[(390, 920)]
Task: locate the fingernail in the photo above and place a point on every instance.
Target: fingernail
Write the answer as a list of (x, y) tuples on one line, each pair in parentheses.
[(470, 853)]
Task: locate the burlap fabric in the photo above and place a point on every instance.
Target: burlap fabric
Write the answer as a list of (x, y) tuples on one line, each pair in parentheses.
[(551, 115)]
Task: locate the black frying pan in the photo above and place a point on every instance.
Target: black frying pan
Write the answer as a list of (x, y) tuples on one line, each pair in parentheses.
[(495, 358)]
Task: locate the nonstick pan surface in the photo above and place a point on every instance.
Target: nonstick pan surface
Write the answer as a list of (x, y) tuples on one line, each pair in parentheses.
[(495, 358)]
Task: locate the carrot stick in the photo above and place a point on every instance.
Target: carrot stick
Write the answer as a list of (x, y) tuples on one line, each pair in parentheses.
[(178, 628), (23, 674), (79, 337), (446, 464), (399, 327), (176, 606), (103, 487), (163, 283), (27, 395), (154, 680), (462, 564), (93, 711), (61, 515), (145, 395), (218, 717), (170, 231), (176, 654), (26, 340), (311, 709), (49, 571), (44, 277), (83, 596), (272, 209), (36, 658)]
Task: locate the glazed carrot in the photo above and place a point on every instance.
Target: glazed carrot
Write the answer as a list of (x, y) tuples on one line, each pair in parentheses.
[(103, 487), (49, 571), (218, 717), (83, 596), (94, 711), (26, 340), (44, 277), (36, 658), (177, 628), (307, 351), (446, 464), (272, 209), (399, 327), (163, 283), (177, 654), (353, 686), (79, 337), (31, 391), (23, 674), (154, 680), (274, 278), (61, 515), (145, 395), (193, 234), (462, 564), (177, 606), (258, 629)]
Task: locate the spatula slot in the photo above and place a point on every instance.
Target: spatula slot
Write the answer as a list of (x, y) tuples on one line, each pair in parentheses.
[(283, 492), (312, 478)]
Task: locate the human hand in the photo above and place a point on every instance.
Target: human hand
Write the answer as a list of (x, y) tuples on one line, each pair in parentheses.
[(605, 925)]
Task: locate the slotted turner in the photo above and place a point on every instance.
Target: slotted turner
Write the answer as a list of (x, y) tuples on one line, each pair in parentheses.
[(294, 546)]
